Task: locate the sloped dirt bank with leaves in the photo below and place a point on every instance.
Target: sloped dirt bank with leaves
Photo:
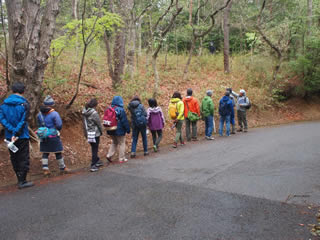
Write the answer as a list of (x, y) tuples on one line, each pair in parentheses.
[(77, 150)]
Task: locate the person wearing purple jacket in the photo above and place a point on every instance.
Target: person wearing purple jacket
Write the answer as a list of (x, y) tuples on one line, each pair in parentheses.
[(51, 119), (155, 122)]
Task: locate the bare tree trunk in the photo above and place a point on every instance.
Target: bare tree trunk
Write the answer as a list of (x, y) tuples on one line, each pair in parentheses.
[(5, 48), (109, 55), (190, 11), (75, 9), (226, 31), (186, 68), (31, 27), (119, 55), (309, 17), (132, 47), (156, 76)]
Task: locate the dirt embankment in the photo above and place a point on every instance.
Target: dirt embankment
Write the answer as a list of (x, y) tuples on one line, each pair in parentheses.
[(77, 151)]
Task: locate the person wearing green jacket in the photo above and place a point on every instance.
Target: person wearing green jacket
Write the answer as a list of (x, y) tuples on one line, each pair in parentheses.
[(176, 113), (207, 111)]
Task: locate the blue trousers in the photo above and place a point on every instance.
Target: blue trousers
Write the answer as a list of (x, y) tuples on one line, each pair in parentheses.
[(222, 120), (208, 125), (135, 136), (232, 121)]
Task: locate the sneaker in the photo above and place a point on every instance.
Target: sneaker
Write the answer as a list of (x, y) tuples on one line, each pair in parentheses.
[(246, 130), (99, 164), (46, 172), (182, 144), (94, 168), (123, 160), (109, 159), (194, 139), (155, 149), (146, 154), (65, 170), (175, 145), (210, 138), (133, 155), (239, 130), (25, 184)]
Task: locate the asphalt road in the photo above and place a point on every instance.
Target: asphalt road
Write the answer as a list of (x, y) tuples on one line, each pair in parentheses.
[(258, 185)]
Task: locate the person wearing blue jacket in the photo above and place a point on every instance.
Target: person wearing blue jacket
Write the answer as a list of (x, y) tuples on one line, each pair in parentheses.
[(225, 111), (138, 124), (51, 119), (14, 113), (118, 135)]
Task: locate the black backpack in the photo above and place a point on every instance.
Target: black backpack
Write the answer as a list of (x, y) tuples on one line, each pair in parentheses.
[(223, 108)]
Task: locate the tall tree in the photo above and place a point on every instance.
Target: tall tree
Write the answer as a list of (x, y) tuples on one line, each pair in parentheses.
[(226, 33), (31, 27), (309, 16)]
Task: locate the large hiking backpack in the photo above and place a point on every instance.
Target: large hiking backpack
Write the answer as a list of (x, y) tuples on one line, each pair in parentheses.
[(139, 118), (223, 108), (44, 132), (110, 121), (173, 111)]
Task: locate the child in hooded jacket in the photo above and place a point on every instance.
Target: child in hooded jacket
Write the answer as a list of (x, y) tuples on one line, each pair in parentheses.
[(155, 122)]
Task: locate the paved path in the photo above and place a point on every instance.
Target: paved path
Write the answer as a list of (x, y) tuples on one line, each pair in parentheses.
[(257, 185)]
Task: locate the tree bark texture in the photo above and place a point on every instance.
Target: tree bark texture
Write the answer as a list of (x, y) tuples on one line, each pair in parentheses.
[(226, 31), (309, 17), (75, 9), (31, 28)]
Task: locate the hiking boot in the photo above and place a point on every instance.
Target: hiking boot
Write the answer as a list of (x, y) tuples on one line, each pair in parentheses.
[(25, 184), (194, 139), (210, 138), (174, 145), (239, 130), (146, 154), (99, 164), (133, 155), (94, 168), (233, 131), (123, 160), (246, 130), (65, 170), (109, 159), (182, 144), (46, 172), (155, 149)]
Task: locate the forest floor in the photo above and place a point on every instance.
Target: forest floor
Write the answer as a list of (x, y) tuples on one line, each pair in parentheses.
[(206, 72)]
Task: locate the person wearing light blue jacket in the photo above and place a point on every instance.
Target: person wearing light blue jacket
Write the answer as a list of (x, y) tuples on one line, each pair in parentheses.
[(14, 113), (242, 104)]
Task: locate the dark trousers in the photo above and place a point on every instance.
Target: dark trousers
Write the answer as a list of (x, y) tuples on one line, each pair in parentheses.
[(46, 155), (156, 140), (21, 159), (194, 129), (135, 136), (95, 150), (242, 119)]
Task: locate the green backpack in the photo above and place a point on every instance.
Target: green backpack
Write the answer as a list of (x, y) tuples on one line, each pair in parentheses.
[(193, 117)]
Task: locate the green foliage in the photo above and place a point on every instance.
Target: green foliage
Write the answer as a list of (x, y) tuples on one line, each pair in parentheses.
[(308, 66)]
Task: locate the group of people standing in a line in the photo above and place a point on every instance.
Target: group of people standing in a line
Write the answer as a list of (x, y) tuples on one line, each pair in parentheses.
[(14, 113)]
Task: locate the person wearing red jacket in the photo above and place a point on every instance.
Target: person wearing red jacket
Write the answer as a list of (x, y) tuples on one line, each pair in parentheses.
[(191, 104)]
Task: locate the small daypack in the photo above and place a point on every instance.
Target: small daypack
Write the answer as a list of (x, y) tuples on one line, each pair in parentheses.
[(193, 117), (223, 108), (140, 119), (249, 105), (110, 121), (173, 111), (43, 132)]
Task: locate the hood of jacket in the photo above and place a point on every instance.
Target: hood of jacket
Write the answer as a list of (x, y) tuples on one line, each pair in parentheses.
[(134, 104), (188, 99), (225, 99), (45, 109), (117, 101), (14, 100), (155, 110), (88, 112), (207, 99), (175, 100)]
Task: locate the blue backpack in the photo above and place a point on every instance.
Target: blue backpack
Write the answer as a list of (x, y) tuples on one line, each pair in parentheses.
[(140, 119), (43, 132)]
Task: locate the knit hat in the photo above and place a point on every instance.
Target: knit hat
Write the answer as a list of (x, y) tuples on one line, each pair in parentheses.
[(48, 101), (209, 93), (227, 93), (189, 92)]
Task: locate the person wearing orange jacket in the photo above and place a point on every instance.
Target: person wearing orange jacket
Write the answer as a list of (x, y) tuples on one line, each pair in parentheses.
[(191, 104)]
